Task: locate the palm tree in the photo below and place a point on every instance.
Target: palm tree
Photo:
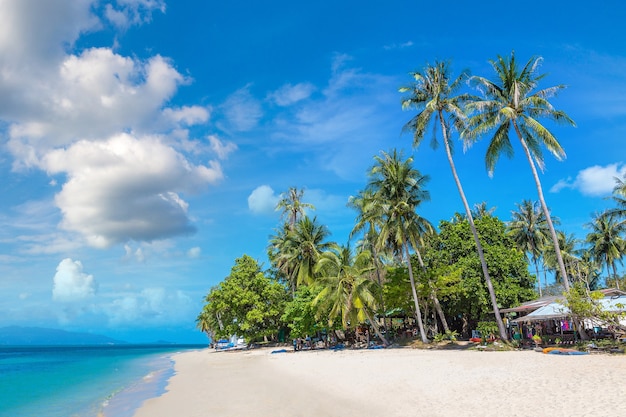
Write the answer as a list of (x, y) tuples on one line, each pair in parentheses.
[(307, 242), (529, 230), (619, 196), (291, 206), (399, 189), (568, 248), (347, 290), (368, 222), (204, 323), (607, 243), (512, 102), (433, 95), (280, 252)]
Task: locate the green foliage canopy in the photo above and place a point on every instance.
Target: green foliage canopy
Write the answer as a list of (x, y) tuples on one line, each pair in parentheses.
[(246, 303)]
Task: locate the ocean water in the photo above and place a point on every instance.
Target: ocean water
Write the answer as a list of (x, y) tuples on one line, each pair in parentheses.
[(93, 381)]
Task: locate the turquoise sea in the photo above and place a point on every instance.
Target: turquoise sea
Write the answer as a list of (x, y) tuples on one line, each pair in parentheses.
[(83, 381)]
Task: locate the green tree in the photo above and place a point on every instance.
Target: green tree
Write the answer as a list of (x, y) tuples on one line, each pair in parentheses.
[(433, 95), (529, 230), (347, 291), (400, 189), (512, 102), (452, 255), (246, 303), (301, 316), (607, 243)]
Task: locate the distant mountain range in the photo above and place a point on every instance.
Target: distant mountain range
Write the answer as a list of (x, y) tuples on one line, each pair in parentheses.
[(25, 336)]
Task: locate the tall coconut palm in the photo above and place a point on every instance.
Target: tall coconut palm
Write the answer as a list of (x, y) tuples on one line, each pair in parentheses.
[(347, 290), (368, 222), (280, 252), (307, 242), (529, 230), (399, 189), (513, 102), (292, 207), (607, 242), (433, 95)]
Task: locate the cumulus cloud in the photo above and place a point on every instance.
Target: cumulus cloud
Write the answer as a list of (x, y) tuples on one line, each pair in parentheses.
[(289, 94), (242, 110), (593, 181), (126, 188), (71, 283), (262, 200)]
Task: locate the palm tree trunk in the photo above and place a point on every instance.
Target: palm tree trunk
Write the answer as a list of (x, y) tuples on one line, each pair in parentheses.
[(546, 212), (439, 311), (538, 278), (479, 248), (418, 313), (615, 276), (433, 295), (380, 283), (376, 328)]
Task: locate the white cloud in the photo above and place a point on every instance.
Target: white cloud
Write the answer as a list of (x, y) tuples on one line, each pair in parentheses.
[(263, 200), (194, 252), (71, 283), (593, 181), (188, 115), (126, 188), (242, 110), (289, 94), (221, 149), (402, 45), (92, 96), (58, 23), (132, 12)]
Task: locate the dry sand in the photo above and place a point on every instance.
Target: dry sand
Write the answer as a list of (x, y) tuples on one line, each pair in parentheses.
[(391, 382)]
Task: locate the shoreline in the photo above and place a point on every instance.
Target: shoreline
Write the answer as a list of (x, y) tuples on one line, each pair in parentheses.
[(391, 382)]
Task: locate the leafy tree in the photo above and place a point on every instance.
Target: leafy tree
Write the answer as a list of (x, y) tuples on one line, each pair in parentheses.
[(399, 189), (301, 316), (511, 102), (452, 254), (245, 303)]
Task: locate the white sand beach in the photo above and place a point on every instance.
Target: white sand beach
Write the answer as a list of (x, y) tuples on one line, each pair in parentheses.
[(391, 382)]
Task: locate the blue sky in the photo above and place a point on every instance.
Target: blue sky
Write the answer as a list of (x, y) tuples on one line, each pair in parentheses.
[(144, 143)]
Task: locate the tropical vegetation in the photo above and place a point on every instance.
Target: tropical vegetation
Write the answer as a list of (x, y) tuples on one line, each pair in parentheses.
[(399, 272)]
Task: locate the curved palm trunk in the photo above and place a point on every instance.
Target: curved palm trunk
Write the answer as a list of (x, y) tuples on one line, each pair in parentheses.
[(433, 296), (538, 278), (615, 275), (376, 329), (544, 207), (380, 283), (479, 247), (418, 313)]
